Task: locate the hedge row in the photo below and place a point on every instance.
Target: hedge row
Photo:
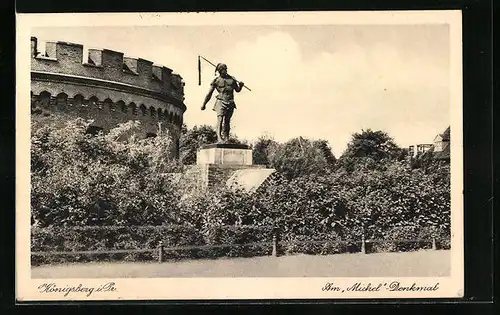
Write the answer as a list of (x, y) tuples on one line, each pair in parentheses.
[(107, 238), (407, 236), (220, 241), (398, 239)]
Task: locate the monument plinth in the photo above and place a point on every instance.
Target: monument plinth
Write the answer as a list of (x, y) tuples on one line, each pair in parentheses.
[(228, 164), (224, 154)]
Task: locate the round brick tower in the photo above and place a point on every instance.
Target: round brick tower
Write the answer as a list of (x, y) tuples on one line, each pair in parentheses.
[(107, 88)]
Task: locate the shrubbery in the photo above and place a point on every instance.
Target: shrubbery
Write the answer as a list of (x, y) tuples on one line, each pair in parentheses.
[(105, 238), (79, 179), (295, 158), (82, 184), (322, 243), (89, 238)]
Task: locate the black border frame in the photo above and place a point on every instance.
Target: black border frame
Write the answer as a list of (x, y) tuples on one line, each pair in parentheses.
[(478, 157)]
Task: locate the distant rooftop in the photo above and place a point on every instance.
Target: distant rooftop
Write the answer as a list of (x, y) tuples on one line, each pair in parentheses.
[(446, 134)]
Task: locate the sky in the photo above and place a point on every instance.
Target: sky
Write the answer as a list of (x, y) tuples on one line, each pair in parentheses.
[(315, 81)]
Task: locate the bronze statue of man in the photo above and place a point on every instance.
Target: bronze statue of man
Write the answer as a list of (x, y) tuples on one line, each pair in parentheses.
[(224, 104)]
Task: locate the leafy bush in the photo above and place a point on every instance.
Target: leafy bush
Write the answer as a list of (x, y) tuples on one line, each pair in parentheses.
[(369, 147), (240, 235), (192, 139), (393, 196), (108, 238), (87, 181), (300, 157), (261, 150), (324, 244), (306, 205), (105, 238), (78, 179)]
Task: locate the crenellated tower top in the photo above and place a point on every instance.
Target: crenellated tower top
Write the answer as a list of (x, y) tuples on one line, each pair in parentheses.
[(107, 65)]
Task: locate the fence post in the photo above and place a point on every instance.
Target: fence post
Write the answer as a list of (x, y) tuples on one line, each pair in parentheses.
[(434, 243), (363, 249), (275, 246), (160, 252)]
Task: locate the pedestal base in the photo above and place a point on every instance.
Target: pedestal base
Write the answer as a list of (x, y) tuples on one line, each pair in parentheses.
[(228, 164), (224, 153)]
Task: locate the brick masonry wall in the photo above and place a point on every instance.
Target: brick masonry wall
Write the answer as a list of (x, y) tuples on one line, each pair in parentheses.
[(211, 175), (107, 88), (218, 174), (68, 58), (197, 177)]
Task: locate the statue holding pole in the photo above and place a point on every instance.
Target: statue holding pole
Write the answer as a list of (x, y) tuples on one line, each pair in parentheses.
[(226, 163), (224, 105)]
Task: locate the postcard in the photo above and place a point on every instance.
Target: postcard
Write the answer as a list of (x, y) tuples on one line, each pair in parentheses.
[(239, 155)]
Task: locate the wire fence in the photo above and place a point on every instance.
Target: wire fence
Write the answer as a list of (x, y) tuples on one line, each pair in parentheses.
[(274, 245)]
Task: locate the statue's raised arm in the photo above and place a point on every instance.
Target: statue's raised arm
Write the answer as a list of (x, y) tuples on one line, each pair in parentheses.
[(224, 104)]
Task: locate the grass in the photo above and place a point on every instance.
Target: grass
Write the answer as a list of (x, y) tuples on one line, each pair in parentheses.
[(425, 263)]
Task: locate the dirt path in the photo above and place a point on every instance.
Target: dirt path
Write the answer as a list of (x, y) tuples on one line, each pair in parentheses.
[(411, 264)]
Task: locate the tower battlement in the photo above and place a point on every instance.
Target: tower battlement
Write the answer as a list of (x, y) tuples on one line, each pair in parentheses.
[(109, 65), (106, 87)]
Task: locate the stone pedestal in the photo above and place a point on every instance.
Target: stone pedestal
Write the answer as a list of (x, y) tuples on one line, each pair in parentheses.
[(224, 153), (229, 164)]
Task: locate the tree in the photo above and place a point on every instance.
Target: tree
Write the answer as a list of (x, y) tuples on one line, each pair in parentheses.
[(324, 147), (192, 139), (368, 148), (261, 150), (300, 156), (79, 179)]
